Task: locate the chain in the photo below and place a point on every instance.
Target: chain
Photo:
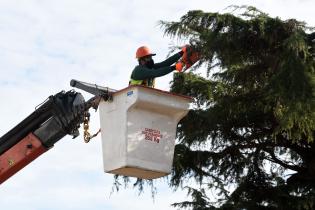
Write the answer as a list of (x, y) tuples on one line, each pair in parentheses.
[(86, 134)]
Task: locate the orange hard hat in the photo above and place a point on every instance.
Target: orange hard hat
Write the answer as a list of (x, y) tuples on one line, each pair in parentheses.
[(143, 51)]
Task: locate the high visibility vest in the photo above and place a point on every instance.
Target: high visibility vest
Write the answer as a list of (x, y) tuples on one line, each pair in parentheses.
[(146, 82)]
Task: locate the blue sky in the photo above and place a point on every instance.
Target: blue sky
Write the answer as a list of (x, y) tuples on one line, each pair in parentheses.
[(44, 44)]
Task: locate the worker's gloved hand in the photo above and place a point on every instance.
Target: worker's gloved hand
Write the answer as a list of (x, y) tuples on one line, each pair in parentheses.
[(179, 66)]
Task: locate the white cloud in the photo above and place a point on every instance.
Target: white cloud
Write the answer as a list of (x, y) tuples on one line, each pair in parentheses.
[(44, 44)]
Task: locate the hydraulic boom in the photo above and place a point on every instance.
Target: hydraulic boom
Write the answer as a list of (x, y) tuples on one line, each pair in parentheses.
[(59, 115)]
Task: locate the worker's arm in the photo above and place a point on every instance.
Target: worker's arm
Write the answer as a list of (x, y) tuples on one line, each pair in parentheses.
[(169, 61), (142, 72)]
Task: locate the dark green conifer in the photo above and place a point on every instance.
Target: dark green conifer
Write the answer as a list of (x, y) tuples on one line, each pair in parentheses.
[(250, 135)]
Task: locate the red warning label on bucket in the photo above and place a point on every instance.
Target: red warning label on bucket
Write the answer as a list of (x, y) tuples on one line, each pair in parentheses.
[(152, 135)]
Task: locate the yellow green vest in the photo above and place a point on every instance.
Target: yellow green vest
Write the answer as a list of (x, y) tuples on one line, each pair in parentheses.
[(146, 82)]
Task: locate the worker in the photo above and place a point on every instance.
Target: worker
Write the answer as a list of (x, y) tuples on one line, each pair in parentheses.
[(146, 72)]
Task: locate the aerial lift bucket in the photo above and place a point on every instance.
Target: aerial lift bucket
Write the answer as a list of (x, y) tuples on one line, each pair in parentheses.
[(139, 131)]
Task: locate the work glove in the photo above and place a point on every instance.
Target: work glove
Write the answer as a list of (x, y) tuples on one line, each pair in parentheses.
[(179, 66)]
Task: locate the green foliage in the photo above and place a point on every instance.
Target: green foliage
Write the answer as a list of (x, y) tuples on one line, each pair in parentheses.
[(199, 201), (253, 122)]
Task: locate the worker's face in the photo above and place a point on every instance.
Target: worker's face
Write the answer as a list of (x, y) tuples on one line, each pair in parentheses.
[(148, 61)]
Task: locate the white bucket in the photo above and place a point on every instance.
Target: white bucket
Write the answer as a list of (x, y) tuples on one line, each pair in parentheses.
[(138, 131)]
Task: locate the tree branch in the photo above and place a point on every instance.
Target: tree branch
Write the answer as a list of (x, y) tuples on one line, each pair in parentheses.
[(278, 161)]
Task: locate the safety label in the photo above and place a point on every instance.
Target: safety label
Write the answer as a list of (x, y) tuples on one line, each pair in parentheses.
[(152, 135), (129, 93)]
